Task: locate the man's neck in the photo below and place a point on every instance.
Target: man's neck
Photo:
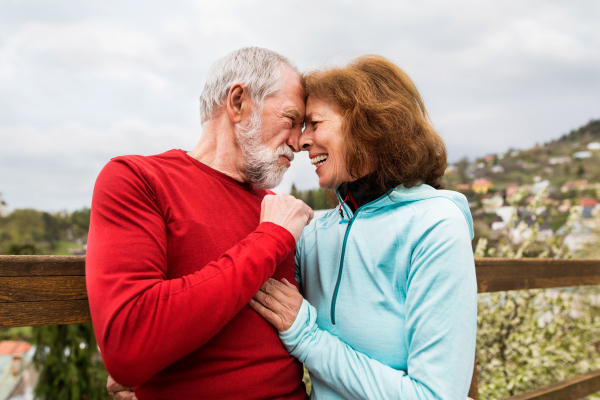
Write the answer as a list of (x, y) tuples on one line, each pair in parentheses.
[(219, 150)]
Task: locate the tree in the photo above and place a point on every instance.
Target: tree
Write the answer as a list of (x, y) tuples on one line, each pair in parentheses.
[(527, 339), (80, 221), (71, 367)]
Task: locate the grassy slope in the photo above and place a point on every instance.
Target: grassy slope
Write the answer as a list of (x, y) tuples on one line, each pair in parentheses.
[(523, 167)]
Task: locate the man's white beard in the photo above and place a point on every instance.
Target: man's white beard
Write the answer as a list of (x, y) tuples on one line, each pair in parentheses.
[(262, 166)]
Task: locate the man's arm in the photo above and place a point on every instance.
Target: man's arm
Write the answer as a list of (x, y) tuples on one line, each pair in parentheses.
[(144, 322)]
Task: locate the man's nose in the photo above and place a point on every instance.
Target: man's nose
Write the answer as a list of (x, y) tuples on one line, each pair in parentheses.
[(294, 140)]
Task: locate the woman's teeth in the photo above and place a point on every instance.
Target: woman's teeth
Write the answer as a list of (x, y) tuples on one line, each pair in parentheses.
[(318, 160)]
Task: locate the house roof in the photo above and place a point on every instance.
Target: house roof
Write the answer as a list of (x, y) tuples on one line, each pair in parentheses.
[(588, 202), (482, 181), (11, 347)]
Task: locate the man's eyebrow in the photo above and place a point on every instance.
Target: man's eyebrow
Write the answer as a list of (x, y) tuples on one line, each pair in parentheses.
[(293, 112), (308, 118)]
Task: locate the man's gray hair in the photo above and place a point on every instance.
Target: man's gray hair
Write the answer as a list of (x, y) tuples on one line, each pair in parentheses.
[(261, 71)]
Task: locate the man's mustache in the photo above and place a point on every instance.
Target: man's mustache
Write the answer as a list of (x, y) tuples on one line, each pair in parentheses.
[(285, 151)]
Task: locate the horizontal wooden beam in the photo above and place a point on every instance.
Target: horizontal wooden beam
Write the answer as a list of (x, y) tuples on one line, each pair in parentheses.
[(61, 280), (574, 388), (16, 289), (44, 313), (501, 274), (42, 265)]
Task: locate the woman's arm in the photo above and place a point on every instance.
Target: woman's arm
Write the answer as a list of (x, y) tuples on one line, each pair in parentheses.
[(441, 306)]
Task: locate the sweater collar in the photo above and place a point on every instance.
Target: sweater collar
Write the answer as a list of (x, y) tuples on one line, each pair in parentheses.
[(360, 192)]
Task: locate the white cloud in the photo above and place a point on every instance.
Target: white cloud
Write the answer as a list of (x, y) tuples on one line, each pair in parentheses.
[(82, 81), (56, 168)]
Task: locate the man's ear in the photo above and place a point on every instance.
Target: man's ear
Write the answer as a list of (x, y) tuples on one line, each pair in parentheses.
[(238, 103)]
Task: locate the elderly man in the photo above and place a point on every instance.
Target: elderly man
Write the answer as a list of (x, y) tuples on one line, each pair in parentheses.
[(179, 244)]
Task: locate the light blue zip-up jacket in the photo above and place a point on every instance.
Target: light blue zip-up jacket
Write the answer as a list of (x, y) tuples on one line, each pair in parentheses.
[(390, 309)]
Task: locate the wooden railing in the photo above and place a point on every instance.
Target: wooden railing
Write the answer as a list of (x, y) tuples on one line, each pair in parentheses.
[(50, 290)]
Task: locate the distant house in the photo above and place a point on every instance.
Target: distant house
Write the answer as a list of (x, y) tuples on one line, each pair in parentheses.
[(545, 231), (541, 185), (15, 367), (3, 207), (564, 207), (482, 185), (588, 202), (512, 188), (587, 212), (498, 169), (574, 185), (497, 224), (490, 158), (506, 213), (582, 154), (593, 146), (491, 204), (463, 186), (449, 169), (581, 235), (559, 160)]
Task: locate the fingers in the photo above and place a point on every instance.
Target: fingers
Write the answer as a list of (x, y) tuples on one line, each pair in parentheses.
[(290, 285), (311, 215), (270, 302), (124, 396), (277, 289), (286, 211), (278, 303), (267, 314), (114, 386)]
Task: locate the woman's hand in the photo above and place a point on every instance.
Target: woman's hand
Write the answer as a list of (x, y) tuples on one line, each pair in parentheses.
[(118, 391), (278, 302)]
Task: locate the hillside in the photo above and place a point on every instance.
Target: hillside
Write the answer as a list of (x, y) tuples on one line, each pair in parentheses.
[(574, 156)]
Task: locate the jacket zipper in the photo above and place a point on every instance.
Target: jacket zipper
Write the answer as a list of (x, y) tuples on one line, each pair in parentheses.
[(339, 278)]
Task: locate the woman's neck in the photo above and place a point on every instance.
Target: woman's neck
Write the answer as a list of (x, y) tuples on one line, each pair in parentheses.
[(361, 191)]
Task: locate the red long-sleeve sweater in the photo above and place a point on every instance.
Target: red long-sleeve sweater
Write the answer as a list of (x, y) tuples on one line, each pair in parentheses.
[(175, 252)]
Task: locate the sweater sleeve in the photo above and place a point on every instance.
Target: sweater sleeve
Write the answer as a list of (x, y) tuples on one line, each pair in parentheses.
[(441, 307), (143, 321)]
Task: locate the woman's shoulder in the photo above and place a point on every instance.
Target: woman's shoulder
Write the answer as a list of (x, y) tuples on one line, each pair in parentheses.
[(434, 208)]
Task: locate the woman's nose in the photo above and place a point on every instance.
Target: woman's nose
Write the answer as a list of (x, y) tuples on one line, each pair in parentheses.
[(306, 141)]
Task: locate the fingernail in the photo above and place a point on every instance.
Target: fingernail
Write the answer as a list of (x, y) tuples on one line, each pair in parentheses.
[(135, 398), (251, 301)]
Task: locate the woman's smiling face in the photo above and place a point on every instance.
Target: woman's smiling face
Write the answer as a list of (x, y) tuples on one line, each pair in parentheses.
[(323, 139)]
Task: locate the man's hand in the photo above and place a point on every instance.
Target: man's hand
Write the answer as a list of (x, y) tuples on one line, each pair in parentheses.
[(286, 211), (278, 303), (119, 392)]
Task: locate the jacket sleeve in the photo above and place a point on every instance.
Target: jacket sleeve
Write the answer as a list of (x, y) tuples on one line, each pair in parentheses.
[(143, 321), (441, 320)]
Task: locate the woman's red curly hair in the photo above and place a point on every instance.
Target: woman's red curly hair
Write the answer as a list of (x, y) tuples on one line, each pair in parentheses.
[(385, 123)]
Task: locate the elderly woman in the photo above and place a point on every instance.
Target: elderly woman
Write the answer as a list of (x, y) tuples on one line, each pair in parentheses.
[(388, 278)]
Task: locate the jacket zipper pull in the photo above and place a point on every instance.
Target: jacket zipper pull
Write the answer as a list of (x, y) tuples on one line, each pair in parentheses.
[(343, 221)]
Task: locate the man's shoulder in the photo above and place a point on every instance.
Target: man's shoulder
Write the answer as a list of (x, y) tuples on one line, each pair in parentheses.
[(137, 168), (153, 161)]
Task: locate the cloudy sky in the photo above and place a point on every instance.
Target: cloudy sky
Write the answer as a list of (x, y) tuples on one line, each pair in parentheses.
[(82, 81)]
